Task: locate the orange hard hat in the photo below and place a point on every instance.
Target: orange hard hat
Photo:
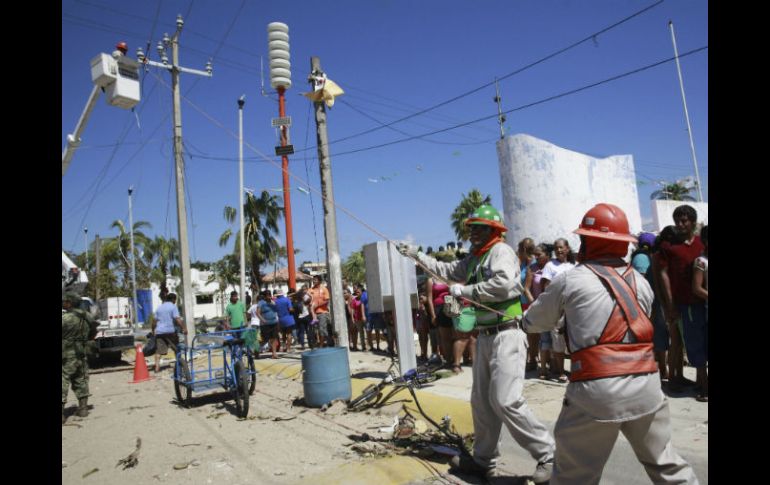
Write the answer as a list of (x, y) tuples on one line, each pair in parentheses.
[(605, 221)]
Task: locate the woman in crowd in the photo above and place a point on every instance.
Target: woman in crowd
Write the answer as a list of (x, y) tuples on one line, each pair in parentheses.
[(435, 293), (564, 261), (268, 316), (700, 288), (533, 286), (525, 253)]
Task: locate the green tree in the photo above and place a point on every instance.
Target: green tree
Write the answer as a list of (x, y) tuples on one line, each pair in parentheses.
[(116, 252), (225, 272), (673, 191), (354, 268), (468, 204), (261, 215), (161, 255)]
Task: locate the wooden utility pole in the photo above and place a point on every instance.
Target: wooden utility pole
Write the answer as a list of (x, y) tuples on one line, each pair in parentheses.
[(330, 218)]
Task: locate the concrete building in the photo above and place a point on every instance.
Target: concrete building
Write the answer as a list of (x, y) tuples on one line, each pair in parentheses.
[(663, 212), (547, 189)]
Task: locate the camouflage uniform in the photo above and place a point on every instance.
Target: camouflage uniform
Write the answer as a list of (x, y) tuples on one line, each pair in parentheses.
[(77, 328)]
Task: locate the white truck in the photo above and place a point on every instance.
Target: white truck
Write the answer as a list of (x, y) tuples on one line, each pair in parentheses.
[(115, 332)]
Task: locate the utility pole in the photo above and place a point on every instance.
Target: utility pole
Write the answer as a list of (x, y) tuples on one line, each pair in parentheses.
[(280, 79), (181, 211), (500, 115), (133, 256), (686, 114), (98, 249), (330, 218), (85, 230), (241, 102)]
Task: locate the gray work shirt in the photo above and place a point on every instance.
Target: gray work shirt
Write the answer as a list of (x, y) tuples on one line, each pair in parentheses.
[(580, 295), (500, 274)]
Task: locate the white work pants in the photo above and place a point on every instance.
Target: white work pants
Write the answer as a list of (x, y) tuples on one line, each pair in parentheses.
[(496, 399), (583, 446)]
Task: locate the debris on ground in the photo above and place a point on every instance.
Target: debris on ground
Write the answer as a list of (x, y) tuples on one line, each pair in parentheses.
[(132, 459), (182, 446), (337, 406), (183, 465), (90, 472)]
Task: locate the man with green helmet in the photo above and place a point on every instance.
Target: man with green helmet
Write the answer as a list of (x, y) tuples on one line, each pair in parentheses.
[(491, 278), (77, 328)]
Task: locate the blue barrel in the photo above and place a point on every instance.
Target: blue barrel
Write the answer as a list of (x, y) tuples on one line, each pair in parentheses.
[(326, 376)]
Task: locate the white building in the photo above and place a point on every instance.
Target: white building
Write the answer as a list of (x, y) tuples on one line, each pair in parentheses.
[(209, 302)]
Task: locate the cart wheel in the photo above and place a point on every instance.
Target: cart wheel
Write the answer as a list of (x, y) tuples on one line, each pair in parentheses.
[(252, 376), (183, 391), (241, 389), (370, 396)]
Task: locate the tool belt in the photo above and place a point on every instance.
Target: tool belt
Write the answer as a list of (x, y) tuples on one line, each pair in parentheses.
[(495, 329)]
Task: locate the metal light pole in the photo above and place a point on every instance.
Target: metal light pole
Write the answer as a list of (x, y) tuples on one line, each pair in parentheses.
[(85, 230), (686, 114), (133, 258), (241, 102)]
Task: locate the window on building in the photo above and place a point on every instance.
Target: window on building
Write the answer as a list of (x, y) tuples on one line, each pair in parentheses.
[(203, 299)]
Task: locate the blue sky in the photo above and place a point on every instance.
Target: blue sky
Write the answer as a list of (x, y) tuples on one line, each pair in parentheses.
[(393, 58)]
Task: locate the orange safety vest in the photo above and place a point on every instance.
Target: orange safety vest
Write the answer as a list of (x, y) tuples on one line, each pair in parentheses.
[(611, 357)]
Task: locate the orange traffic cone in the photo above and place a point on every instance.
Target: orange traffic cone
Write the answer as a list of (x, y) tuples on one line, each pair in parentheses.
[(140, 367)]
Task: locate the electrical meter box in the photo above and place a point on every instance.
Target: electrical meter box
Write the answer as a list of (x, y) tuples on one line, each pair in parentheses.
[(379, 283), (119, 77)]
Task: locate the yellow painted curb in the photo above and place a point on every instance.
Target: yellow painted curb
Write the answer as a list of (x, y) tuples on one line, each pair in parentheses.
[(390, 470)]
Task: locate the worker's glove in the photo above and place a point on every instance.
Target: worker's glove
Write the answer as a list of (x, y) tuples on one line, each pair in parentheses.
[(408, 250), (456, 290)]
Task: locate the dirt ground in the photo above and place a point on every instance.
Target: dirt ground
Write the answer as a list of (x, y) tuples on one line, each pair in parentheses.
[(278, 443), (282, 441)]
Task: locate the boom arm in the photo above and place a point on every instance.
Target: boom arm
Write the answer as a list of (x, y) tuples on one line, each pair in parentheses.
[(73, 140)]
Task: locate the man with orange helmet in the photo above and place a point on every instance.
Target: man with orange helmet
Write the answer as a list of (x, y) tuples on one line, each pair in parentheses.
[(491, 277), (614, 384)]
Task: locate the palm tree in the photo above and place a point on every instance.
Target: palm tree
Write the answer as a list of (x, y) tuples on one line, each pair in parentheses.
[(225, 272), (261, 216), (464, 209), (162, 256), (673, 191), (117, 250), (354, 268)]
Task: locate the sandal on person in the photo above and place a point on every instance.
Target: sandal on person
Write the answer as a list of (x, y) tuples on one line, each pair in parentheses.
[(563, 379), (702, 398), (457, 369)]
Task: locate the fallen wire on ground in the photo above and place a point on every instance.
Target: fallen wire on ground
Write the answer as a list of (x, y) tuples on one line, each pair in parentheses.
[(410, 436)]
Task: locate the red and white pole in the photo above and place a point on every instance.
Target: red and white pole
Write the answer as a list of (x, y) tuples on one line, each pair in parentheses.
[(287, 193)]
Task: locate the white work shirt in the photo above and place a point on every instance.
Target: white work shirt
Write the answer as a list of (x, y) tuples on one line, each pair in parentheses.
[(580, 295)]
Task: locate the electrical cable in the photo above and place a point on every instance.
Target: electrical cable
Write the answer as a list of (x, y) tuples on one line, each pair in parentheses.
[(528, 105), (505, 76)]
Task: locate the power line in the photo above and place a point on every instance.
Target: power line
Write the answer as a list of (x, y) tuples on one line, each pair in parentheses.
[(362, 113), (505, 76), (525, 106), (307, 175)]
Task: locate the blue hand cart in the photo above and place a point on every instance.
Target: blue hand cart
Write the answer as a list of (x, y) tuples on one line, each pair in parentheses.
[(237, 373)]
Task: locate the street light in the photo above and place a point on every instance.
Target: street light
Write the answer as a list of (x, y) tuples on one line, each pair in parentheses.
[(241, 102)]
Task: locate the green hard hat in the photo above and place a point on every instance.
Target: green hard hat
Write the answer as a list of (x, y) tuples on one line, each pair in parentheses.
[(71, 297), (486, 215)]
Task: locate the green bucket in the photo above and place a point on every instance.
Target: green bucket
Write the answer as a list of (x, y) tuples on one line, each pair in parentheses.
[(466, 321)]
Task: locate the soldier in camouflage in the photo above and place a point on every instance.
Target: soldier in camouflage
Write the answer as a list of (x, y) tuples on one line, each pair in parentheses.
[(77, 328)]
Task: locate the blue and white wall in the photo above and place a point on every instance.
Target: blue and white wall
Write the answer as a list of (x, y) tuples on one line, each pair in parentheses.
[(547, 189)]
